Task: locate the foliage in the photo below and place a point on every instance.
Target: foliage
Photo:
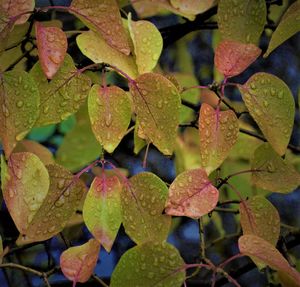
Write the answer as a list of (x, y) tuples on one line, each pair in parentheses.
[(112, 87)]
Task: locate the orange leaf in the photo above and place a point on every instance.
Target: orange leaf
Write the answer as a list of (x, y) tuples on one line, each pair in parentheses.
[(191, 194), (52, 47), (78, 263), (232, 58)]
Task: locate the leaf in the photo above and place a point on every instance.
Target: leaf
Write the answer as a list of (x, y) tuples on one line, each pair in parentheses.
[(52, 47), (139, 143), (17, 9), (39, 150), (232, 58), (25, 183), (104, 17), (242, 21), (276, 175), (148, 44), (79, 146), (96, 49), (63, 95), (287, 27), (218, 134), (191, 194), (110, 115), (157, 104), (63, 198), (150, 264), (262, 250), (143, 202), (19, 100), (272, 106), (102, 210), (192, 7), (259, 217), (78, 263)]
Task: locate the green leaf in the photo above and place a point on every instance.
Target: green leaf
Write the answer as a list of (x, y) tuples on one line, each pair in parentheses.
[(52, 47), (258, 248), (63, 198), (148, 44), (63, 95), (232, 58), (110, 114), (96, 49), (287, 27), (104, 17), (242, 21), (78, 263), (143, 201), (259, 217), (191, 194), (150, 264), (41, 134), (271, 104), (218, 134), (102, 210), (276, 174), (192, 7), (19, 101), (157, 105), (25, 184), (79, 146), (139, 142)]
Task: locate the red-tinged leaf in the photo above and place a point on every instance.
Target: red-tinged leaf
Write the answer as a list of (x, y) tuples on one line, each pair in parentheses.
[(143, 201), (259, 217), (104, 17), (63, 95), (157, 105), (258, 248), (63, 198), (148, 265), (102, 210), (78, 263), (5, 28), (110, 114), (232, 58), (39, 150), (191, 194), (274, 173), (17, 9), (52, 48), (25, 184), (218, 133), (272, 105), (19, 101)]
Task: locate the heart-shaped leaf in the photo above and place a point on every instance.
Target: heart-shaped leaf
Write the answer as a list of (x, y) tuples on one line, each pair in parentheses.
[(274, 173), (150, 264), (232, 58), (148, 44), (258, 248), (242, 21), (102, 210), (110, 114), (52, 48), (64, 196), (157, 104), (271, 104), (19, 101), (78, 263), (63, 95), (259, 217), (104, 17), (143, 201), (218, 133), (287, 27), (25, 183), (95, 48), (191, 194)]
